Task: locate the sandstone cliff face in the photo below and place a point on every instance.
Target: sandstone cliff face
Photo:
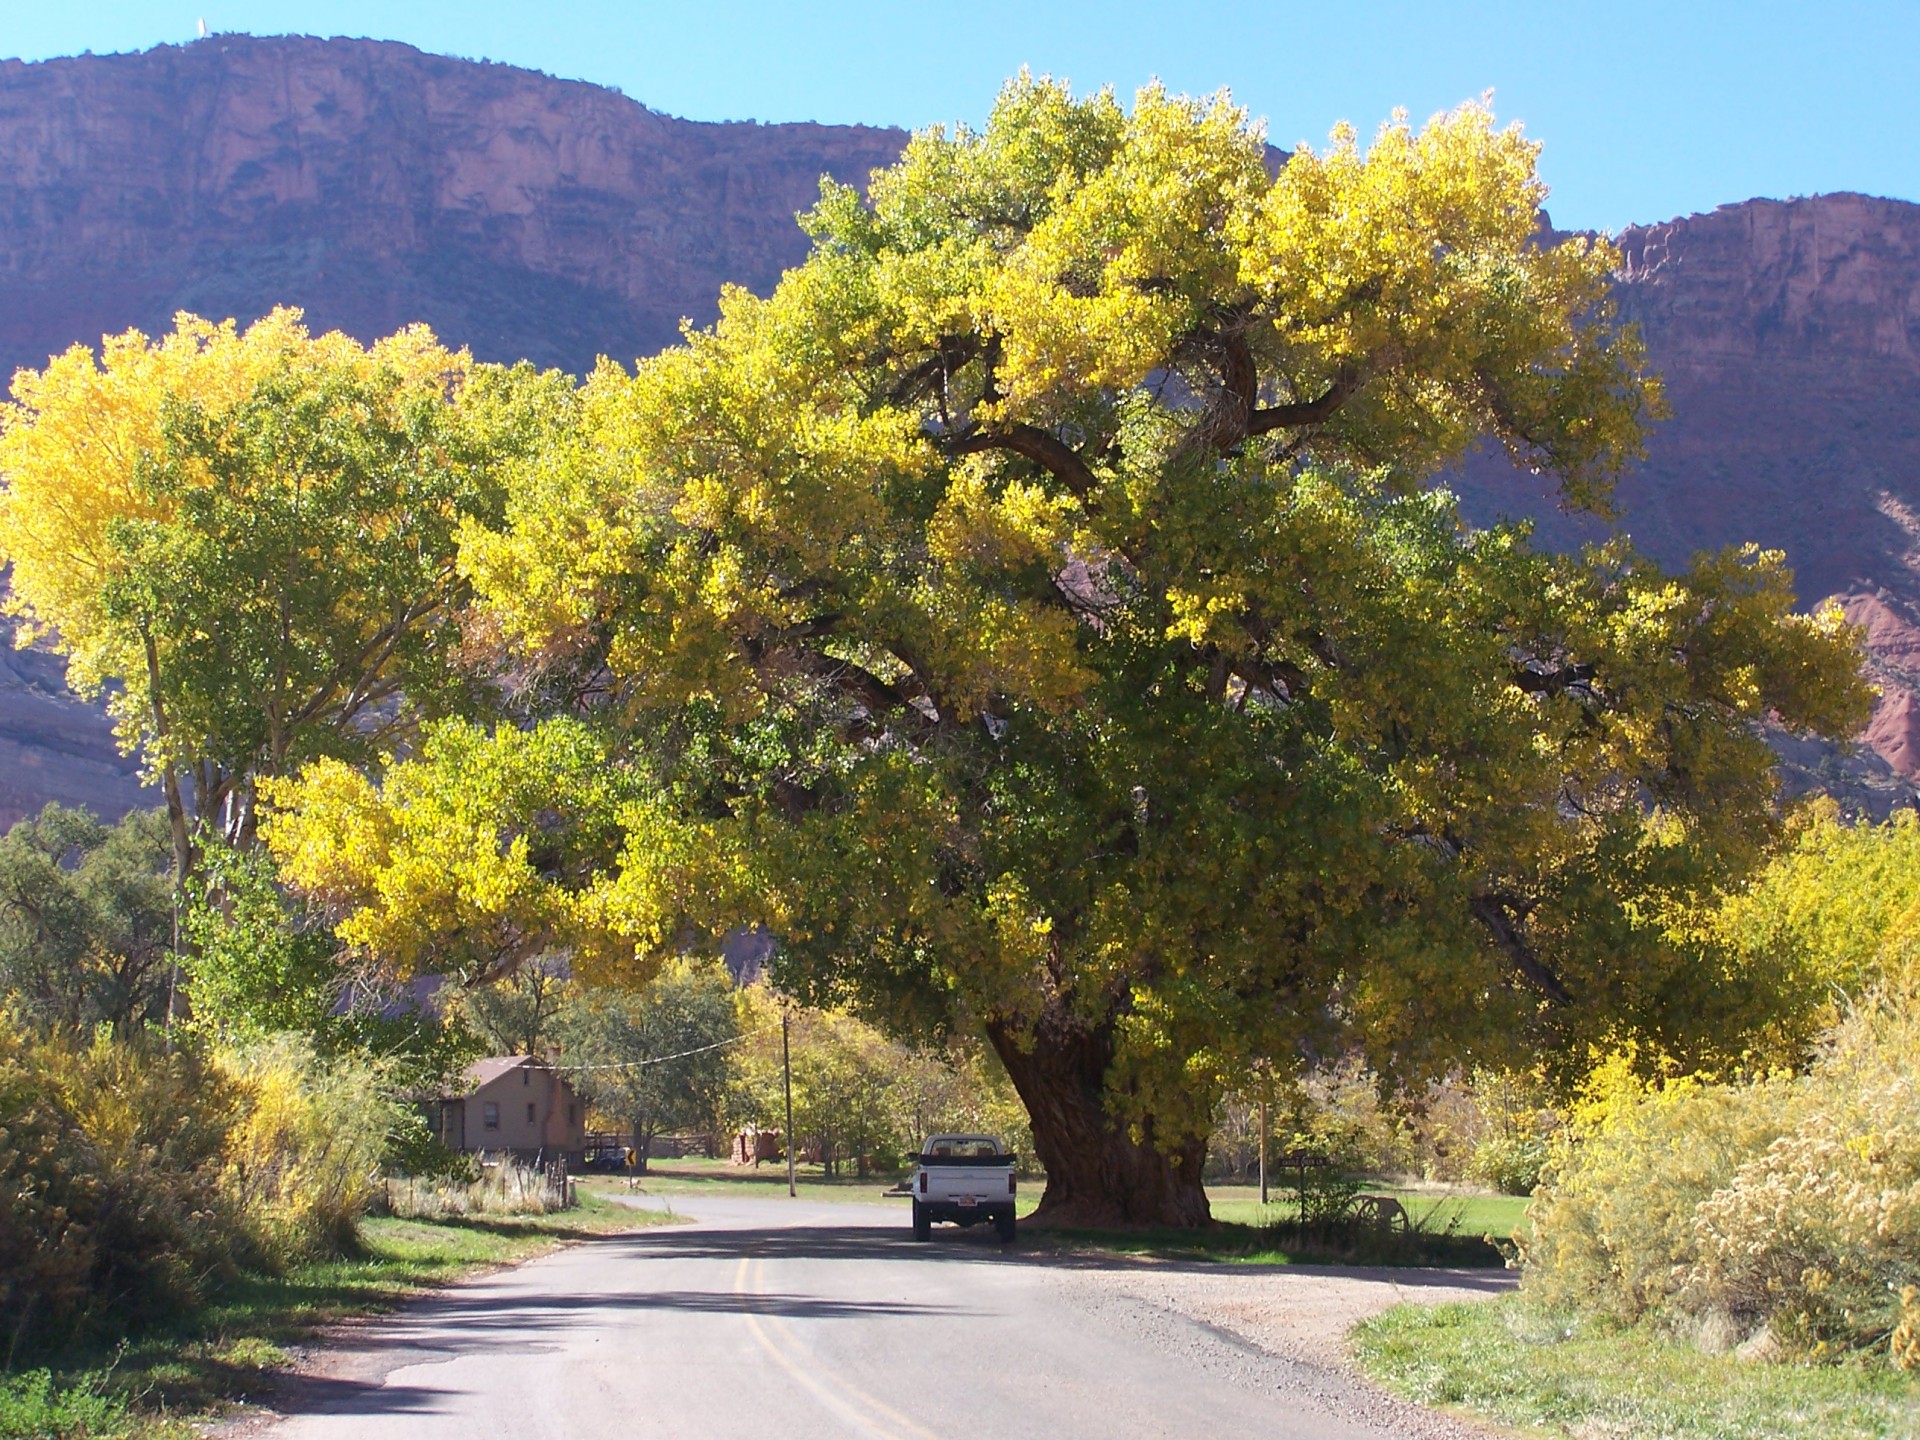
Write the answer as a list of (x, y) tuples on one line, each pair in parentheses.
[(525, 216), (1788, 334), (375, 185), (54, 745)]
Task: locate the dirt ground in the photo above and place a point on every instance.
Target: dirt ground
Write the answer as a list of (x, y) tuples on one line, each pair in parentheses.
[(1300, 1312)]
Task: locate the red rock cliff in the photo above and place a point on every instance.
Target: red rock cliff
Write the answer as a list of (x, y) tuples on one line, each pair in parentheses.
[(527, 216), (376, 185), (1789, 337)]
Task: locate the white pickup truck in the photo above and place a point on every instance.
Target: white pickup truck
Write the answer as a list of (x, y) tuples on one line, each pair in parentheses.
[(965, 1179)]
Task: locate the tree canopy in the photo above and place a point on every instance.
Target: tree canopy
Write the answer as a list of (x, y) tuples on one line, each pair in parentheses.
[(246, 538), (1038, 613), (86, 920)]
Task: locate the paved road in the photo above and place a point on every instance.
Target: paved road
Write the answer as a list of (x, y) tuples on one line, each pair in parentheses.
[(785, 1320)]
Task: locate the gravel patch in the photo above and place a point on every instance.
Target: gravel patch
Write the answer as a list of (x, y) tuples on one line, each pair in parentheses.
[(1282, 1329)]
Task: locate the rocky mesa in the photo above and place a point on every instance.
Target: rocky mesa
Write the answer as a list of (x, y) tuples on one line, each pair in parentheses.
[(375, 185), (525, 216), (1788, 335)]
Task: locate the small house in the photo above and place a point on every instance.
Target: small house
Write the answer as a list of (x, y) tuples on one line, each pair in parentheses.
[(515, 1105)]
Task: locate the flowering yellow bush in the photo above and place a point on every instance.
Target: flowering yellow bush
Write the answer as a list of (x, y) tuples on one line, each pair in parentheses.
[(1612, 1225), (1789, 1204), (303, 1156), (1818, 1236)]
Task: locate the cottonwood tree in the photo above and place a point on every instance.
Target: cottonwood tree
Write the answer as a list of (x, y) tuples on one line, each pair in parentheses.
[(1038, 612), (86, 920), (246, 539), (654, 1058)]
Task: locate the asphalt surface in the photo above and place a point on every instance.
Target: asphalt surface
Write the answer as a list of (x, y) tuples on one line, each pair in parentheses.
[(788, 1320)]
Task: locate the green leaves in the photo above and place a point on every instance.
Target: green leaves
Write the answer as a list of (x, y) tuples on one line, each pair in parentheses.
[(1034, 613), (251, 536), (86, 920)]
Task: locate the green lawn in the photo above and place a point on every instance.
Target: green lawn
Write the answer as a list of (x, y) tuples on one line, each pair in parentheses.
[(230, 1348), (720, 1177), (1588, 1378), (1470, 1213)]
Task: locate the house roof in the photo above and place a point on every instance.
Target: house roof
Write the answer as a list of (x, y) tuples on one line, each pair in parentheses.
[(482, 1073)]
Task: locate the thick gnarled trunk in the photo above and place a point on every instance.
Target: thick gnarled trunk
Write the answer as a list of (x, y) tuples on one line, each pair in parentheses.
[(1098, 1176)]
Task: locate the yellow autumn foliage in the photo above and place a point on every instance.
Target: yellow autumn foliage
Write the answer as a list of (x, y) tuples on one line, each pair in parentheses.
[(76, 433), (1787, 1203)]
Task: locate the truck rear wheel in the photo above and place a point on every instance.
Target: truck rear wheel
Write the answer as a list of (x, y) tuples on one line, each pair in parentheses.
[(922, 1225), (1003, 1222)]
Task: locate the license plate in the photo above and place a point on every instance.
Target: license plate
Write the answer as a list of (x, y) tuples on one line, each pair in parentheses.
[(967, 1202)]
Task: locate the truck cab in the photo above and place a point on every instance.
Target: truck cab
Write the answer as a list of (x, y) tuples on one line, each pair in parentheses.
[(965, 1179)]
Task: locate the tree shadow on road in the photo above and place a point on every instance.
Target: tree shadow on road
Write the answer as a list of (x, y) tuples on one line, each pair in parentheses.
[(867, 1243)]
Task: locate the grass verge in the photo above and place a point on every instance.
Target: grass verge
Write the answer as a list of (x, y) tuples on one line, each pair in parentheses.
[(719, 1177), (1280, 1244), (1461, 1212), (1507, 1360), (1446, 1229), (228, 1351)]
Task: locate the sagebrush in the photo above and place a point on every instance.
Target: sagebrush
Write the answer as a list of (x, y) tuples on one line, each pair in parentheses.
[(1782, 1212)]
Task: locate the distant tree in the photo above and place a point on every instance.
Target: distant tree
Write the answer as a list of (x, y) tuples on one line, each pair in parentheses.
[(86, 918), (520, 1013), (630, 1047), (845, 1076), (246, 539), (861, 1096)]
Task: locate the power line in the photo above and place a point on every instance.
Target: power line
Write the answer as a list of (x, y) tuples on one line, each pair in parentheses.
[(663, 1059)]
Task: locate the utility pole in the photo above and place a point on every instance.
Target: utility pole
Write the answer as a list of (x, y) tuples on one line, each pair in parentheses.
[(1263, 1139), (786, 1072)]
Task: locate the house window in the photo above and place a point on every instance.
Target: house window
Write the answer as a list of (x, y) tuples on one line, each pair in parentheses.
[(529, 1112), (573, 1112), (490, 1115), (526, 1076)]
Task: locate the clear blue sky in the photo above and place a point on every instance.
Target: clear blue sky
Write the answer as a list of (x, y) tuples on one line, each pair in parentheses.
[(1648, 110)]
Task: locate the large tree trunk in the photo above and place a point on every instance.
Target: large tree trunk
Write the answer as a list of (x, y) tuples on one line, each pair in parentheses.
[(1098, 1176)]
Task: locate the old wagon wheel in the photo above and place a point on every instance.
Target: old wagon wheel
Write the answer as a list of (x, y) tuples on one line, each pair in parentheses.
[(1381, 1212)]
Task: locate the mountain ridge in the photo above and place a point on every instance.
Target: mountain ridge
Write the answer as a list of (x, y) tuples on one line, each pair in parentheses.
[(373, 184)]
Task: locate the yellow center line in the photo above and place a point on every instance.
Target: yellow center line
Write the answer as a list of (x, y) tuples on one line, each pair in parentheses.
[(866, 1413)]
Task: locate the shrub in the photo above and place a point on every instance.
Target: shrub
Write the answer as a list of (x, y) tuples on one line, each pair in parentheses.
[(111, 1155), (1612, 1226), (138, 1181), (1510, 1161), (304, 1156), (1818, 1236), (1789, 1203), (1492, 1127)]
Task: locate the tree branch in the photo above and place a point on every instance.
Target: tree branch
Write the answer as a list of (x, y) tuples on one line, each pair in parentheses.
[(1538, 678), (1496, 913), (1307, 412), (1047, 451)]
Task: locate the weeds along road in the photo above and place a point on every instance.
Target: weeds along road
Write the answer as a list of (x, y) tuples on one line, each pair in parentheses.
[(804, 1321)]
